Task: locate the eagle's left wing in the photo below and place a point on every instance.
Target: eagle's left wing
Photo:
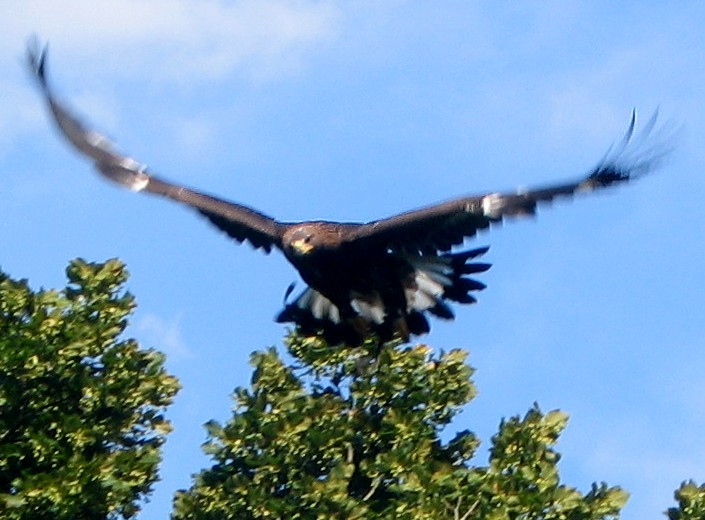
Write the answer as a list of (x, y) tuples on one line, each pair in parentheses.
[(442, 226), (238, 221)]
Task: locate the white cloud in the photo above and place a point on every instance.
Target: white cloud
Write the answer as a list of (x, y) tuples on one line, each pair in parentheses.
[(18, 113), (179, 40), (164, 335), (184, 42), (194, 135)]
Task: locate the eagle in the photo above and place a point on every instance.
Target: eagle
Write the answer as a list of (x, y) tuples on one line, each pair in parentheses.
[(381, 278)]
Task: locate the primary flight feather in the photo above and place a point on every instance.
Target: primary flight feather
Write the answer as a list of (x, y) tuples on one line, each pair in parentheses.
[(381, 277)]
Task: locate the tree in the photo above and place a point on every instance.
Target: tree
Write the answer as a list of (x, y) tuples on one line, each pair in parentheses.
[(356, 433), (333, 433), (81, 410), (691, 502)]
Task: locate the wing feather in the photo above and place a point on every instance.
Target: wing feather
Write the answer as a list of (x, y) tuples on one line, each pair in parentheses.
[(442, 226), (238, 221)]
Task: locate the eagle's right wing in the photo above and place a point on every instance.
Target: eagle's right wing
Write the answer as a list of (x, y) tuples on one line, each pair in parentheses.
[(238, 221), (441, 226)]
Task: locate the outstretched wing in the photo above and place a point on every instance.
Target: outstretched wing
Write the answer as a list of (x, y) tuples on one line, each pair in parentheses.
[(439, 227), (238, 221)]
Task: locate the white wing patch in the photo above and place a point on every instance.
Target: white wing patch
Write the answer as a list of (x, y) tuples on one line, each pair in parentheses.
[(493, 205), (126, 172), (321, 308), (431, 277), (318, 305), (370, 308)]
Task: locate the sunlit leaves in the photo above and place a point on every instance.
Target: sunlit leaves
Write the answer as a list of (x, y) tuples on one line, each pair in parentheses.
[(356, 433), (691, 502), (81, 410), (523, 475)]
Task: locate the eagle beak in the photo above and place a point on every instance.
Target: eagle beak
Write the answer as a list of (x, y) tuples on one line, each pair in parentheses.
[(302, 246)]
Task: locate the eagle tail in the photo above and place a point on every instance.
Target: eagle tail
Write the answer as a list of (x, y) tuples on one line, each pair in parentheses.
[(351, 331), (315, 314)]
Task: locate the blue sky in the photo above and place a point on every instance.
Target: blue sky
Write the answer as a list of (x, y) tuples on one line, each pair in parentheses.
[(357, 110)]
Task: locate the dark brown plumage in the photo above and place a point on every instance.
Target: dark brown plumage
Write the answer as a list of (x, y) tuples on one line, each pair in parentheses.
[(381, 277)]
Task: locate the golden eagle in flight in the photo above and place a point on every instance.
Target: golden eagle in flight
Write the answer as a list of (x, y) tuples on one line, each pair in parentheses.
[(381, 277)]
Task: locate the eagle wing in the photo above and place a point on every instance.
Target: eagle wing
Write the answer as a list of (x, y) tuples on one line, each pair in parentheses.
[(238, 221), (442, 226)]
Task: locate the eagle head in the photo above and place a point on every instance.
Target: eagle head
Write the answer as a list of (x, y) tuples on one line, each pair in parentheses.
[(304, 239)]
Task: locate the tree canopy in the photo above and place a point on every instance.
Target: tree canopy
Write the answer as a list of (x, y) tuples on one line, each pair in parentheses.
[(81, 410), (322, 432), (356, 433)]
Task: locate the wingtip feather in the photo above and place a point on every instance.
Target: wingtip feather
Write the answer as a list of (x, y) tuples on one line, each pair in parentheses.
[(637, 154), (36, 57)]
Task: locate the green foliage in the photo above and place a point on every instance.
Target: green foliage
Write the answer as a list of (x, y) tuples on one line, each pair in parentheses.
[(356, 433), (81, 411), (691, 502), (338, 433)]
